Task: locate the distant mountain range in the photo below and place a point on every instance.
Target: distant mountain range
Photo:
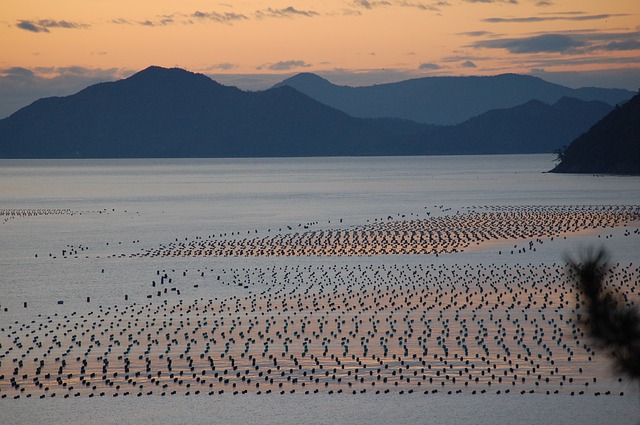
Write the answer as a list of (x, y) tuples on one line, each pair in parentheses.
[(161, 112), (443, 100), (611, 146)]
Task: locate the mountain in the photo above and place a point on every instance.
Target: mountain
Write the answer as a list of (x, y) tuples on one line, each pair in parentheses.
[(443, 100), (532, 127), (162, 112), (611, 146)]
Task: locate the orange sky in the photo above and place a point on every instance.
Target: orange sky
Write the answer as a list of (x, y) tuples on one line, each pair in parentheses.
[(361, 41)]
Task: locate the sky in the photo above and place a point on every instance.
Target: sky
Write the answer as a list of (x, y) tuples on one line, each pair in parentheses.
[(59, 47)]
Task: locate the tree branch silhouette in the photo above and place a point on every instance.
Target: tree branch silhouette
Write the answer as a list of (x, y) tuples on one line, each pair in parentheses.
[(612, 324)]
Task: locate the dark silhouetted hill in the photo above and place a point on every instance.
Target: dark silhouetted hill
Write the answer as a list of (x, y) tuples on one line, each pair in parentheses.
[(611, 146), (162, 112), (533, 127), (443, 100)]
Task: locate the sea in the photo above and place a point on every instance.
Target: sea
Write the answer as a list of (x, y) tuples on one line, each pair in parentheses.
[(68, 229)]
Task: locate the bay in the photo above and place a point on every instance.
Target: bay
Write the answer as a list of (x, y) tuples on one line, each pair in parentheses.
[(105, 209)]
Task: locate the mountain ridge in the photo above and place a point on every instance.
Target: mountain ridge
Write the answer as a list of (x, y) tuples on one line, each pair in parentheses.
[(443, 100), (160, 113), (163, 112)]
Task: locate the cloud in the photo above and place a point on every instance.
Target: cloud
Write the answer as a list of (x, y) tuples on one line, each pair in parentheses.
[(351, 12), (582, 60), (163, 21), (370, 4), (460, 58), (492, 1), (475, 33), (18, 73), (43, 25), (546, 43), (81, 72), (573, 42), (551, 18), (30, 26), (432, 7), (595, 36), (221, 67), (144, 23), (468, 64), (620, 45), (224, 18), (285, 65), (287, 12), (429, 66)]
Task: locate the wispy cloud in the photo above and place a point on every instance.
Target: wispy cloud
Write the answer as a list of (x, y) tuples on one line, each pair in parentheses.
[(223, 18), (492, 1), (620, 45), (121, 21), (568, 12), (574, 42), (221, 67), (468, 64), (547, 43), (284, 65), (287, 12), (181, 18), (430, 66), (551, 18), (228, 18), (43, 25), (17, 73), (30, 26), (370, 4), (461, 58), (351, 12), (475, 33), (546, 62), (81, 71), (161, 21), (430, 7)]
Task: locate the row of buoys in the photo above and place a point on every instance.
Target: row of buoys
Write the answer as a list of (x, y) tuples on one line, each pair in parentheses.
[(306, 392), (433, 235), (60, 302), (329, 327), (350, 327), (13, 213), (32, 212)]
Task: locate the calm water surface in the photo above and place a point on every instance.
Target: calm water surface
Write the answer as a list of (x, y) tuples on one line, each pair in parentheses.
[(122, 206)]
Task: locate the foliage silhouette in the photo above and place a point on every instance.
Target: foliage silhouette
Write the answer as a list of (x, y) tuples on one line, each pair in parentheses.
[(614, 325)]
